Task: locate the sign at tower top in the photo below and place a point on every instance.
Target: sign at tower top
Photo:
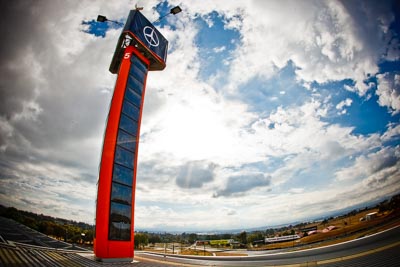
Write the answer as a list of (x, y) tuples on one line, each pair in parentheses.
[(141, 33)]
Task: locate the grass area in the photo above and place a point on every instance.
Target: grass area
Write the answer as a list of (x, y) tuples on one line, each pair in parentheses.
[(196, 252)]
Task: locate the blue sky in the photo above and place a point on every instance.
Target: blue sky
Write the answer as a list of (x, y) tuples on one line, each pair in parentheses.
[(268, 112)]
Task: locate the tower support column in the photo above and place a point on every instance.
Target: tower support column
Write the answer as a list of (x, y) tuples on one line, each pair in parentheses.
[(114, 236)]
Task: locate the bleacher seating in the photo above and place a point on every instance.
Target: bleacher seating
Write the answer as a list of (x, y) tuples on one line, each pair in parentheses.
[(24, 247), (13, 231)]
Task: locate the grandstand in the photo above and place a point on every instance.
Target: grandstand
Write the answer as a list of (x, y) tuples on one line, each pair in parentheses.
[(284, 238), (12, 231), (23, 246)]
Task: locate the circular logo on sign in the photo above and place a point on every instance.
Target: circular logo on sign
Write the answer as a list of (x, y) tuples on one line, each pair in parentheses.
[(151, 36)]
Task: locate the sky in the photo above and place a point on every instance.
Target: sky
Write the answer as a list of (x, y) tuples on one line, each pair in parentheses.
[(268, 112)]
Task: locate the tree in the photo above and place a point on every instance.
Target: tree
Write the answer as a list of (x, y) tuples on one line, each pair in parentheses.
[(141, 240), (270, 232), (243, 237), (153, 238), (89, 236), (59, 231), (192, 238), (255, 236)]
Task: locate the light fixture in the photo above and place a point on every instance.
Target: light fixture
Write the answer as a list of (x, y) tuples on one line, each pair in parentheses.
[(101, 18), (173, 11)]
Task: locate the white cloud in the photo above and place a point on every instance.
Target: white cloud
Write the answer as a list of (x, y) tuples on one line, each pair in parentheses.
[(345, 103), (219, 49), (243, 183), (389, 91), (392, 133), (323, 39), (53, 111), (371, 164), (297, 190), (303, 141), (194, 174)]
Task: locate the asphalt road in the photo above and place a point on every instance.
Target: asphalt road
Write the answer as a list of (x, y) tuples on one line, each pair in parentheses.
[(378, 248)]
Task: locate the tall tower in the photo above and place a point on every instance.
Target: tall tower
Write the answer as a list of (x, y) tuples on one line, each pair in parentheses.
[(140, 48)]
